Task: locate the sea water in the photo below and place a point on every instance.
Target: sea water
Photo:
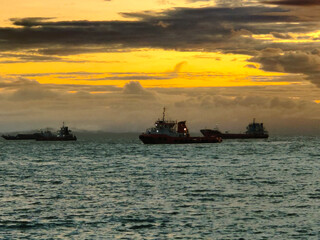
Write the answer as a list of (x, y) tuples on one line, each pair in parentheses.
[(117, 188)]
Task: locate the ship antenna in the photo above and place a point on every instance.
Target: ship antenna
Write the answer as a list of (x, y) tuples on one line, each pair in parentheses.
[(164, 113)]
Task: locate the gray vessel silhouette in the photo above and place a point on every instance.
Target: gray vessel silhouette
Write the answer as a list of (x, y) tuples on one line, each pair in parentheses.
[(254, 130), (64, 134)]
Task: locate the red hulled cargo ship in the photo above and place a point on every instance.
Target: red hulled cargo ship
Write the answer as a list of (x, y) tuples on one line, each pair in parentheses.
[(171, 132)]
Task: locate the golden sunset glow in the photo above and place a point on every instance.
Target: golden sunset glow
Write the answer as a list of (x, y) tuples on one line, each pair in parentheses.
[(176, 69), (245, 57)]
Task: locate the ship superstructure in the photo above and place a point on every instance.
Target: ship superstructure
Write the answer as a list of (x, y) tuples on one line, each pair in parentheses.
[(64, 134), (256, 128), (169, 128)]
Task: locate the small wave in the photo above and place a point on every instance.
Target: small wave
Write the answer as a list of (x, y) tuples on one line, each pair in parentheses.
[(314, 195), (141, 226)]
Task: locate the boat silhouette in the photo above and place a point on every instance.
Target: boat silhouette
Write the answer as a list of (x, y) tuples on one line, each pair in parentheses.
[(254, 130), (171, 132)]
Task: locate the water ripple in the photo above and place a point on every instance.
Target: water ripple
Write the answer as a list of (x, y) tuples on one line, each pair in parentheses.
[(118, 188)]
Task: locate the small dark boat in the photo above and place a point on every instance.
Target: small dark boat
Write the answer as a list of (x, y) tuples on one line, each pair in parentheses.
[(64, 134), (254, 130), (170, 132)]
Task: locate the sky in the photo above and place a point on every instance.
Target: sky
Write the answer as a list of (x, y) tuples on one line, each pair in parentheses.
[(112, 65)]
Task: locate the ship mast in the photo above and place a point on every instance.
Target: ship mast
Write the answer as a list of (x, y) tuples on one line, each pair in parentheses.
[(164, 113)]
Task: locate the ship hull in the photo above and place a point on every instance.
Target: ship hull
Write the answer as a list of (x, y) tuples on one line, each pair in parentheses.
[(21, 137), (208, 133), (165, 139), (243, 136)]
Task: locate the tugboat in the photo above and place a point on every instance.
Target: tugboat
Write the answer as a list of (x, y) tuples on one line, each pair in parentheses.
[(64, 134), (170, 132), (254, 130)]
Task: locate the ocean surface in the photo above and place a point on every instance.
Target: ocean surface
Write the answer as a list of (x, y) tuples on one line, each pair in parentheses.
[(114, 187)]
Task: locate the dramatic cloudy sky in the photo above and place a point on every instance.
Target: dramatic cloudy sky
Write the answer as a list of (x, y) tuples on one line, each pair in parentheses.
[(113, 64)]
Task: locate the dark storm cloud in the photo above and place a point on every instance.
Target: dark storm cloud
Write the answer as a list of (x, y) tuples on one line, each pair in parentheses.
[(180, 28), (225, 29), (28, 22), (276, 60), (295, 2), (71, 50), (21, 58), (229, 3)]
